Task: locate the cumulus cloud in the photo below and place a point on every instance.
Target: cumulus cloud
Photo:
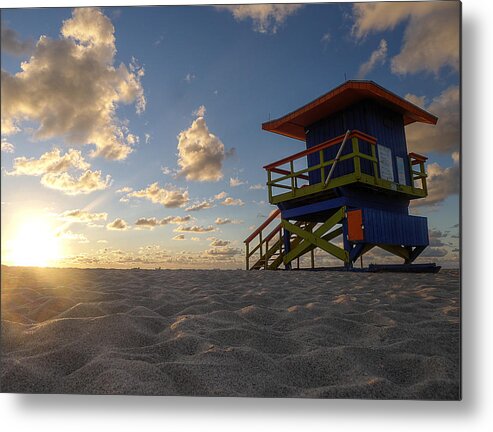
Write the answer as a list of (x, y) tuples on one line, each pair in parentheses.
[(442, 182), (225, 221), (444, 137), (235, 181), (377, 57), (232, 202), (12, 44), (200, 153), (195, 229), (71, 88), (431, 37), (117, 225), (53, 168), (179, 237), (218, 242), (7, 147), (220, 195), (86, 183), (266, 18), (124, 190), (82, 216), (223, 251), (169, 196), (221, 221), (200, 206), (153, 222), (146, 223), (49, 162), (175, 220)]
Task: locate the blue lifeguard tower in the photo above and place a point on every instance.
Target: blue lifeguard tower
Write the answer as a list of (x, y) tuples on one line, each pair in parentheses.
[(349, 190)]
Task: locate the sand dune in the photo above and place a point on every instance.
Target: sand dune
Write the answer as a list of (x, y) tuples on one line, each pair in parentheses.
[(231, 333)]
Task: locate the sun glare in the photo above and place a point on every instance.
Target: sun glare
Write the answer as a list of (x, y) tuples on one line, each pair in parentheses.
[(35, 244)]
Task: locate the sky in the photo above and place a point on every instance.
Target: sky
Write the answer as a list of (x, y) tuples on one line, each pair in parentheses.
[(131, 136)]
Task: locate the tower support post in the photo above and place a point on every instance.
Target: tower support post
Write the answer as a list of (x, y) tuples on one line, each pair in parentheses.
[(286, 237)]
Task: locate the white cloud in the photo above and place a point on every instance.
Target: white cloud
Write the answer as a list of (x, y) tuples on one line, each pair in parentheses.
[(200, 111), (266, 18), (7, 147), (179, 237), (82, 216), (326, 38), (71, 88), (147, 138), (200, 153), (235, 181), (117, 225), (124, 190), (444, 137), (52, 166), (232, 202), (200, 206), (257, 186), (431, 37), (169, 196), (189, 77), (12, 44), (222, 221), (377, 57), (220, 195), (225, 221)]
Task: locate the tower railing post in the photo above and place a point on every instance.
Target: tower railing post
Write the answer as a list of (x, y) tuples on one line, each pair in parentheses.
[(247, 256), (423, 177), (356, 158)]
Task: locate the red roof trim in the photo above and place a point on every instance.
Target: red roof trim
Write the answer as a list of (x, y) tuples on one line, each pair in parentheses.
[(293, 124)]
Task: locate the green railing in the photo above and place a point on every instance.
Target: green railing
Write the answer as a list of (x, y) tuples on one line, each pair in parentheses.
[(295, 183)]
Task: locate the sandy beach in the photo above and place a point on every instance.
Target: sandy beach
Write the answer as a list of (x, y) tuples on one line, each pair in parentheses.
[(231, 333)]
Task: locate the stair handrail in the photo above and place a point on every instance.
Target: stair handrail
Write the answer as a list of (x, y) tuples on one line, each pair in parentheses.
[(274, 214)]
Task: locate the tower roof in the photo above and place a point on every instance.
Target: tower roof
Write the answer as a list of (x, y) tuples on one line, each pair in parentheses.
[(352, 91)]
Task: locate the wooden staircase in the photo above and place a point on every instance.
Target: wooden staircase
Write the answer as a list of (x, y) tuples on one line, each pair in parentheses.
[(270, 251)]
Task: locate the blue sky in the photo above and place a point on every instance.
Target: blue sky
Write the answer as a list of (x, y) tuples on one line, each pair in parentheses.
[(242, 66)]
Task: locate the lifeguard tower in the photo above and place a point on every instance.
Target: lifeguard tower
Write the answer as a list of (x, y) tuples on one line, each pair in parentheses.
[(350, 190)]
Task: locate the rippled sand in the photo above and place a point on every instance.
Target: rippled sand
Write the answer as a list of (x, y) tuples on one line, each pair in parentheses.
[(231, 333)]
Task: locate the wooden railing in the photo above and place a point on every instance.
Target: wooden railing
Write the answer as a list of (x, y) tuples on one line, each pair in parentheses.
[(417, 159), (262, 247), (299, 178), (294, 182)]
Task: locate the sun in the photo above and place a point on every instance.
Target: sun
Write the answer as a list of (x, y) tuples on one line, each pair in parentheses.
[(34, 244)]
